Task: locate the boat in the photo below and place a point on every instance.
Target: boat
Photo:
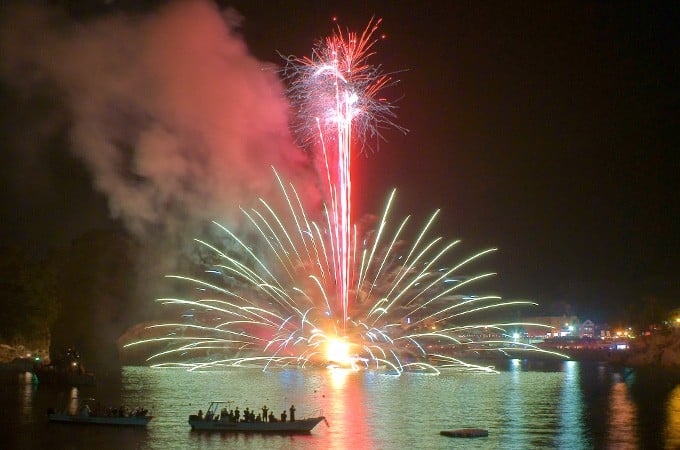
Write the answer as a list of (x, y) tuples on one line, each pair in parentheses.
[(89, 412), (212, 421), (49, 375), (66, 370), (465, 433)]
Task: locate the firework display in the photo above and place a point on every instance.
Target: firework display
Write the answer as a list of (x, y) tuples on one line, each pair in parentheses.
[(301, 292), (275, 306)]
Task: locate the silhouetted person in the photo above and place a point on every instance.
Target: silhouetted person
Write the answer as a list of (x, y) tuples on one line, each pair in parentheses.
[(264, 413), (283, 416)]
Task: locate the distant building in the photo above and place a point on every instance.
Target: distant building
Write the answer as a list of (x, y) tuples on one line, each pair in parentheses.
[(586, 329), (558, 326), (603, 331)]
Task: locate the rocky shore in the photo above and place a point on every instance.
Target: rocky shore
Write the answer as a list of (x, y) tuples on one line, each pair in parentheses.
[(10, 353), (659, 349)]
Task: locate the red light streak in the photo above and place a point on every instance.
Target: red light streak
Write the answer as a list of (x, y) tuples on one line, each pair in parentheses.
[(336, 90)]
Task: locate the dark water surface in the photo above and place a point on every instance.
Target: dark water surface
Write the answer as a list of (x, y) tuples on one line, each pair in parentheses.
[(567, 405)]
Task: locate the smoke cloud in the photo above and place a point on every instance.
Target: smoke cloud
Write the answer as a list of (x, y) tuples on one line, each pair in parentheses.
[(176, 121)]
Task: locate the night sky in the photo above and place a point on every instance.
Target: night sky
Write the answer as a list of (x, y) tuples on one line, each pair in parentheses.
[(546, 129)]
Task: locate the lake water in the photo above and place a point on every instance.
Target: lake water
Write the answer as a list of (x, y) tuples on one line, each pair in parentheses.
[(568, 405)]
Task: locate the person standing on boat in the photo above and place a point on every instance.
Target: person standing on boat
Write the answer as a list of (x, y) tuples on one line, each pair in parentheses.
[(264, 413), (292, 413), (283, 416)]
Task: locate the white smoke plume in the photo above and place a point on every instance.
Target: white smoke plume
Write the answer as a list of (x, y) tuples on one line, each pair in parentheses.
[(176, 121)]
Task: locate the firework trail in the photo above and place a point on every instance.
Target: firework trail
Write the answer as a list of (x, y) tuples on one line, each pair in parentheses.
[(274, 306), (334, 93)]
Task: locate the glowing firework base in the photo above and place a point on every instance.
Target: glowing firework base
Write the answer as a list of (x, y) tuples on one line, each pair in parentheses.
[(216, 423)]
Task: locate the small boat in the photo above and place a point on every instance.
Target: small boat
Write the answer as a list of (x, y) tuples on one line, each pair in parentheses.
[(66, 370), (213, 422), (465, 433), (48, 375), (87, 411)]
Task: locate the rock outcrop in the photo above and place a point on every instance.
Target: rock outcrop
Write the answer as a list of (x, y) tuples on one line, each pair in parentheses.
[(661, 349)]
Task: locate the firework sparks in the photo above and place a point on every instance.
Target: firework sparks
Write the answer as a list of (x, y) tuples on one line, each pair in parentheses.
[(410, 310), (337, 87), (334, 92)]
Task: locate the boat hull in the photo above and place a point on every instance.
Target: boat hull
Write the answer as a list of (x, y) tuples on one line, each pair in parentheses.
[(100, 420), (465, 433), (301, 426)]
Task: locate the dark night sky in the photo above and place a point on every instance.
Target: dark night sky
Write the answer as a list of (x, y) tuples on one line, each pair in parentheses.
[(546, 129)]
